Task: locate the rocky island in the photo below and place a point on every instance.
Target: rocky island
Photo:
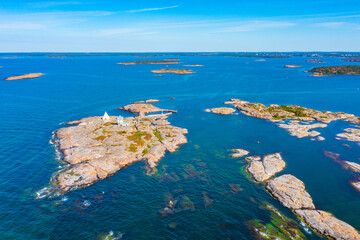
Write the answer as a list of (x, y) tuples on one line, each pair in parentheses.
[(336, 70), (195, 65), (176, 71), (97, 147), (151, 62), (301, 117), (25, 76), (350, 134)]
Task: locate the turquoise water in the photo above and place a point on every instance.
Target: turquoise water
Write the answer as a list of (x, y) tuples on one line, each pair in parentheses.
[(130, 202)]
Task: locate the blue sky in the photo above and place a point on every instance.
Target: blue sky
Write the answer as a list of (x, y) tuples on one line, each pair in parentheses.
[(186, 26)]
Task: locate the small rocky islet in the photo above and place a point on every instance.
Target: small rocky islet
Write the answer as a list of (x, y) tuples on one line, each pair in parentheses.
[(176, 71), (25, 76), (151, 62), (97, 147)]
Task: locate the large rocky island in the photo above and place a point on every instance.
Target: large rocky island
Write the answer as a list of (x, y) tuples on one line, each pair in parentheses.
[(25, 76), (336, 70), (97, 147)]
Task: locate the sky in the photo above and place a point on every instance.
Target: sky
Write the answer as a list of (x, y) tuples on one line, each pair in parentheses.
[(179, 26)]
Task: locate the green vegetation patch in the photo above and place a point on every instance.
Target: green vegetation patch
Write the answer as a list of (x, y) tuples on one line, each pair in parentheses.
[(137, 137), (132, 147), (100, 138), (158, 135)]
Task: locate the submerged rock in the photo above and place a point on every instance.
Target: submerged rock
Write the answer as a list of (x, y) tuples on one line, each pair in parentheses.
[(291, 192), (96, 148), (355, 167), (328, 225), (262, 170), (239, 153)]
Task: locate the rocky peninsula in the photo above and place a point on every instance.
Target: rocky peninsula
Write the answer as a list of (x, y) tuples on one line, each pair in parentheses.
[(176, 71), (97, 147), (25, 76), (151, 62), (336, 70)]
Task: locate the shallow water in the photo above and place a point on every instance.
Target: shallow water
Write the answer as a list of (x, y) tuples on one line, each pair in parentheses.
[(131, 202)]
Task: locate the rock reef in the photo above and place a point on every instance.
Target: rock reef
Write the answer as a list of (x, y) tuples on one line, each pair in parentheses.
[(328, 225), (25, 76), (350, 134), (176, 71), (262, 170), (96, 148)]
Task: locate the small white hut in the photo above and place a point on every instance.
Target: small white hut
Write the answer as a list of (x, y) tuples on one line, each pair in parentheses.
[(106, 116)]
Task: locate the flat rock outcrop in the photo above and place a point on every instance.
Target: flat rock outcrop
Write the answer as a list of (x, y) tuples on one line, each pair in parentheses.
[(221, 110), (301, 130), (142, 108), (291, 192), (176, 71), (151, 62), (238, 153), (95, 148), (25, 76), (262, 170), (350, 134), (328, 225)]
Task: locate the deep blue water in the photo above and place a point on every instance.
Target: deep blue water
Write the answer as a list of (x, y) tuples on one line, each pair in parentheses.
[(130, 201)]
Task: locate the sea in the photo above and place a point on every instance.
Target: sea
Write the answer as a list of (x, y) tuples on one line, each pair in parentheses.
[(214, 197)]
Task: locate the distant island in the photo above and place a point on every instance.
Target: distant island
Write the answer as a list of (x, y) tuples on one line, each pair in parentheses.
[(315, 60), (351, 60), (151, 62), (25, 76), (176, 71), (336, 70)]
